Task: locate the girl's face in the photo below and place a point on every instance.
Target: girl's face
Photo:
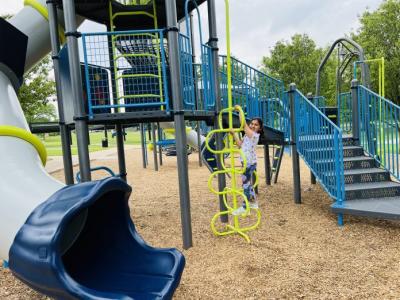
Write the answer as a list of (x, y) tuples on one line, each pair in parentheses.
[(255, 126)]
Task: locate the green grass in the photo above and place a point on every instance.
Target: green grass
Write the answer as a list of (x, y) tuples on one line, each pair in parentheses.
[(53, 143)]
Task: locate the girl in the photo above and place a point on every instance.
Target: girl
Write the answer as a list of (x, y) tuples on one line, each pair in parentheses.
[(248, 146)]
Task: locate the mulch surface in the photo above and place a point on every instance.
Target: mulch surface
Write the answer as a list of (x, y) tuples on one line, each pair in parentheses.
[(298, 252)]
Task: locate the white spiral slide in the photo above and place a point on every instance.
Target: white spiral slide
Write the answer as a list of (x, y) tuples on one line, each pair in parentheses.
[(191, 135), (24, 182), (67, 242)]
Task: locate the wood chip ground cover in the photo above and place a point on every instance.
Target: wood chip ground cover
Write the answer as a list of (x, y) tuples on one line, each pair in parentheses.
[(297, 253)]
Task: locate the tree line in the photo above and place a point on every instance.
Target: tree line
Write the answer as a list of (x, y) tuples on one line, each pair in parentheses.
[(297, 60)]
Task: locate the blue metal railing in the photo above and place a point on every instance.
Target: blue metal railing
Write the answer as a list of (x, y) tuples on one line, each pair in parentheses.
[(200, 73), (345, 112), (205, 68), (187, 72), (319, 102), (258, 93), (242, 94), (379, 129), (128, 71), (136, 63), (319, 143), (208, 85)]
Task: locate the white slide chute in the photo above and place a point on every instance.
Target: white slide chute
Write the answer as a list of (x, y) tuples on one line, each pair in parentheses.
[(24, 182)]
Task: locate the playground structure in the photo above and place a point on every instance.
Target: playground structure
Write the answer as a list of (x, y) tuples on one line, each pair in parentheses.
[(133, 73), (145, 71)]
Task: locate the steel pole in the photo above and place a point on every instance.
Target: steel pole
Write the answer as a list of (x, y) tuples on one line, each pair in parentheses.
[(355, 113), (312, 176), (120, 150), (143, 144), (180, 128), (81, 126), (197, 96), (159, 138), (213, 43), (154, 142), (267, 165), (65, 136), (293, 140)]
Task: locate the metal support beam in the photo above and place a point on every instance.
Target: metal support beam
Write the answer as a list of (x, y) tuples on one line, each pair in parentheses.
[(312, 176), (81, 126), (355, 114), (120, 150), (180, 128), (154, 142), (295, 154), (197, 96), (65, 136), (267, 165), (143, 143), (159, 138), (212, 28)]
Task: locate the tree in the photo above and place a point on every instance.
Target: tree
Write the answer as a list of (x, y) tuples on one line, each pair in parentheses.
[(297, 61), (379, 36), (36, 91)]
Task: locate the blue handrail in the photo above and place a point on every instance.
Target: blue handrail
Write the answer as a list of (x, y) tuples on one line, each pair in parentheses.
[(345, 112), (319, 102), (379, 129), (102, 168), (258, 93), (319, 143)]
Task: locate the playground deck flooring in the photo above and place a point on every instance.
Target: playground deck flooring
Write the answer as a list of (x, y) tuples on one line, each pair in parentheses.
[(297, 253)]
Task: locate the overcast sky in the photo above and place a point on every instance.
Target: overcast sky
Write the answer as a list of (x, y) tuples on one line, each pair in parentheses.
[(256, 25)]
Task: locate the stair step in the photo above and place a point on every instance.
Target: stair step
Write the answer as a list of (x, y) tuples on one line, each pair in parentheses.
[(350, 163), (348, 151), (353, 176), (359, 162), (348, 141), (372, 190), (387, 208), (352, 151)]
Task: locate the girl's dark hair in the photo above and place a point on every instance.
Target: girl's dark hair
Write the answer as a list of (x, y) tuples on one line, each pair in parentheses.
[(260, 122)]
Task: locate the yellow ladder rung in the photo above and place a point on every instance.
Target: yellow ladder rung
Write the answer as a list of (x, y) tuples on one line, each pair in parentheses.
[(135, 55), (132, 13), (140, 96), (137, 75)]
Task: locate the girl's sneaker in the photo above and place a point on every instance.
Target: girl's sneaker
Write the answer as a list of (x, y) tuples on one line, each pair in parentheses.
[(253, 205), (239, 211)]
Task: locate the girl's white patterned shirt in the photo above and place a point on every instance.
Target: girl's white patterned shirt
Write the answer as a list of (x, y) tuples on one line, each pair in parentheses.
[(249, 148)]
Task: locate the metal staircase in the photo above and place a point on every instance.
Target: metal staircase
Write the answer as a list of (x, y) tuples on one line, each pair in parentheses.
[(369, 190), (359, 171)]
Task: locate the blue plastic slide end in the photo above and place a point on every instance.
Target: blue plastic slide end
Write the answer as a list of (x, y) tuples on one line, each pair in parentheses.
[(82, 244)]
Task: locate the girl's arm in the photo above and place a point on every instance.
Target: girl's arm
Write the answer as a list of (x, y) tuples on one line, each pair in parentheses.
[(246, 128), (238, 141)]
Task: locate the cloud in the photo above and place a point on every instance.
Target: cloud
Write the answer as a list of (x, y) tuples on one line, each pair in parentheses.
[(256, 25), (10, 7)]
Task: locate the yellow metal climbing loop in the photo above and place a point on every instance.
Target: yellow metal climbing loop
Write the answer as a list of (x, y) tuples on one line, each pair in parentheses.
[(233, 191)]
